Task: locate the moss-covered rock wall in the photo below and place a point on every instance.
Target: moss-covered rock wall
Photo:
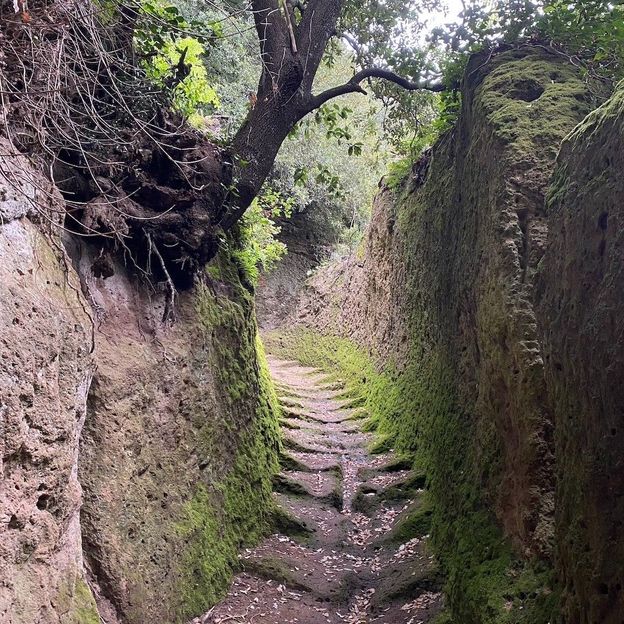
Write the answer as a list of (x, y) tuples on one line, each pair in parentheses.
[(136, 451), (180, 443), (581, 321), (448, 317)]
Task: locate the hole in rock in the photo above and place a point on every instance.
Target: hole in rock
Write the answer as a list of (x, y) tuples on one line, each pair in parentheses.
[(527, 90), (26, 400), (43, 501), (602, 246)]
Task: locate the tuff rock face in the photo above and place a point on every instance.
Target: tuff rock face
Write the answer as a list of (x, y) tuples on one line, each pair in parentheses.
[(171, 408), (581, 321), (46, 365), (451, 263), (137, 449), (494, 288)]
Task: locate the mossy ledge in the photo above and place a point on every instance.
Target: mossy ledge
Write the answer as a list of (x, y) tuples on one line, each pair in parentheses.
[(76, 601)]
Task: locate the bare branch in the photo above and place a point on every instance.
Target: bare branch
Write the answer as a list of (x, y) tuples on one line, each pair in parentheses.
[(353, 86), (290, 19)]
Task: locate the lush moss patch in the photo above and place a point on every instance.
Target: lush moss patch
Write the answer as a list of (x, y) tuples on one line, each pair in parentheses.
[(415, 523), (235, 512), (232, 506), (76, 601)]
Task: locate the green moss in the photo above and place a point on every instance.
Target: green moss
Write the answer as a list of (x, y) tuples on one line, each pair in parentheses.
[(76, 601), (415, 523), (530, 101), (235, 512), (232, 507), (214, 271), (443, 618)]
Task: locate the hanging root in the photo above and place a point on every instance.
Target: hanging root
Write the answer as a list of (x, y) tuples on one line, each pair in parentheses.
[(75, 97), (169, 311)]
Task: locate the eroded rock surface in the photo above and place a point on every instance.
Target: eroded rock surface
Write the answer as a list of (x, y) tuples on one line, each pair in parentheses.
[(582, 323), (449, 266), (46, 364), (179, 447), (139, 431)]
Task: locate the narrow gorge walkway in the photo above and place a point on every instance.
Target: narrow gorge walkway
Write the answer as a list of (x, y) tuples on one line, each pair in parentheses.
[(351, 547)]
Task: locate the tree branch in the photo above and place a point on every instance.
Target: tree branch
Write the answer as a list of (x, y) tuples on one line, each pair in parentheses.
[(316, 28), (353, 86)]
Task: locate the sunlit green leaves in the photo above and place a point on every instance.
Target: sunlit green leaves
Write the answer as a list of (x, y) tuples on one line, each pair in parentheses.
[(259, 248), (173, 50), (194, 90), (160, 22), (593, 30)]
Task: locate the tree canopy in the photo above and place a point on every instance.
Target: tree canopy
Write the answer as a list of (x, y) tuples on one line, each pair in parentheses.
[(90, 85)]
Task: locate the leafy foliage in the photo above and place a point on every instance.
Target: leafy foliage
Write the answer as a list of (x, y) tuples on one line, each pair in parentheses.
[(592, 31), (165, 22), (194, 89), (332, 160), (258, 246), (331, 163), (384, 34), (174, 58)]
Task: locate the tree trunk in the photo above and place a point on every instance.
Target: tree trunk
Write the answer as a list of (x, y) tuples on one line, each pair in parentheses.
[(284, 93), (256, 146)]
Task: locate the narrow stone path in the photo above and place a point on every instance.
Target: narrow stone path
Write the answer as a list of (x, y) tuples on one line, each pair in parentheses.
[(351, 547)]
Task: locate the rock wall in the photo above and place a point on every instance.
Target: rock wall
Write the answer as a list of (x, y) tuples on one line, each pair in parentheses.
[(444, 294), (179, 421), (581, 303), (309, 241), (46, 364), (362, 295), (137, 450)]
